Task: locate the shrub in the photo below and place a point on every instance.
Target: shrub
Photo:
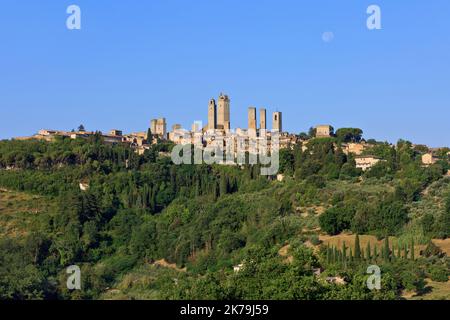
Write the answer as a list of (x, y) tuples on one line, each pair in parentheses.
[(439, 274)]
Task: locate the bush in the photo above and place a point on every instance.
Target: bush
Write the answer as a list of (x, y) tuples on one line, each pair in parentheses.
[(336, 219), (315, 240), (316, 181), (439, 274)]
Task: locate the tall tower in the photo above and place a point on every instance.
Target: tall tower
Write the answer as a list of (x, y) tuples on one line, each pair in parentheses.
[(262, 119), (212, 115), (161, 127), (277, 122), (223, 113), (153, 125), (252, 118), (252, 122)]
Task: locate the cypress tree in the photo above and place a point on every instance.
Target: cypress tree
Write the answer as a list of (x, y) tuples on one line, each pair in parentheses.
[(412, 250), (344, 251), (399, 251), (223, 184), (153, 199), (216, 190), (375, 252), (357, 248), (146, 197), (328, 254), (368, 252), (386, 249), (335, 255), (197, 188)]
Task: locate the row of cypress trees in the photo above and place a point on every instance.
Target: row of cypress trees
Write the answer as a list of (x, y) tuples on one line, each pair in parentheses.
[(388, 253)]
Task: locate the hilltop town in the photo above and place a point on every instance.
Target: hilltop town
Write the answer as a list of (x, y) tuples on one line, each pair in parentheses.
[(122, 208), (219, 125)]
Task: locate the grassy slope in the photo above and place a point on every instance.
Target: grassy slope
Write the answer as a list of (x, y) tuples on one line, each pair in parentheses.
[(435, 291), (20, 211)]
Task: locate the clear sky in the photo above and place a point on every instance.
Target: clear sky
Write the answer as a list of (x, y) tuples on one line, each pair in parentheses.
[(136, 60)]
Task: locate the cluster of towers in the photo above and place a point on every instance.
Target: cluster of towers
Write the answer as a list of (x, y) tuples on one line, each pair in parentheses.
[(219, 117)]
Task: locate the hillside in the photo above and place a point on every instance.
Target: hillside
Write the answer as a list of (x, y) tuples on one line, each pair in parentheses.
[(144, 228), (20, 212)]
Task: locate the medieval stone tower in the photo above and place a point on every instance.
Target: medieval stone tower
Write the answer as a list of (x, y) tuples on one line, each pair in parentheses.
[(223, 113), (277, 122), (252, 118), (262, 119), (212, 115), (153, 123), (252, 121), (161, 127)]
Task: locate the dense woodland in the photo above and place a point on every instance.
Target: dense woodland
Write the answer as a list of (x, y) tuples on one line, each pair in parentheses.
[(207, 219)]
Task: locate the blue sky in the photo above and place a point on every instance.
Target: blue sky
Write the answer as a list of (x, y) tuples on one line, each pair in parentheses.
[(136, 60)]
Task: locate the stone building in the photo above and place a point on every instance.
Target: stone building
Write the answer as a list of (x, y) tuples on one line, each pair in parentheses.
[(288, 141), (196, 126), (161, 128), (277, 122), (113, 138), (354, 148), (115, 132), (223, 113), (366, 162), (80, 134), (252, 121), (181, 136), (262, 119), (176, 127), (429, 159), (136, 138), (324, 131), (212, 115), (153, 125)]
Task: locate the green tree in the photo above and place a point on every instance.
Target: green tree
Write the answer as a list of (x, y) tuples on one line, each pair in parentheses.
[(444, 222), (349, 134), (357, 248), (386, 250), (368, 251)]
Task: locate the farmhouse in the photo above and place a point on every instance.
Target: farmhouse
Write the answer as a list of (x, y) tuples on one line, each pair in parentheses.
[(366, 162), (429, 159)]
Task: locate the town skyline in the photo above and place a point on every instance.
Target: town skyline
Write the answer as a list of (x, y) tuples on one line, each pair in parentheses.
[(315, 64), (222, 156), (243, 120)]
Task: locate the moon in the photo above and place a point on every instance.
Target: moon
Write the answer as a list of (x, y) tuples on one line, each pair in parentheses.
[(327, 36)]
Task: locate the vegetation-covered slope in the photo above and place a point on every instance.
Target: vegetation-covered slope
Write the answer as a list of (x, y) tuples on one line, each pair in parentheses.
[(148, 229)]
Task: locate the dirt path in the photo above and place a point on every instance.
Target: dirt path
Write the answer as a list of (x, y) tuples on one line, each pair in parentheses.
[(165, 264)]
